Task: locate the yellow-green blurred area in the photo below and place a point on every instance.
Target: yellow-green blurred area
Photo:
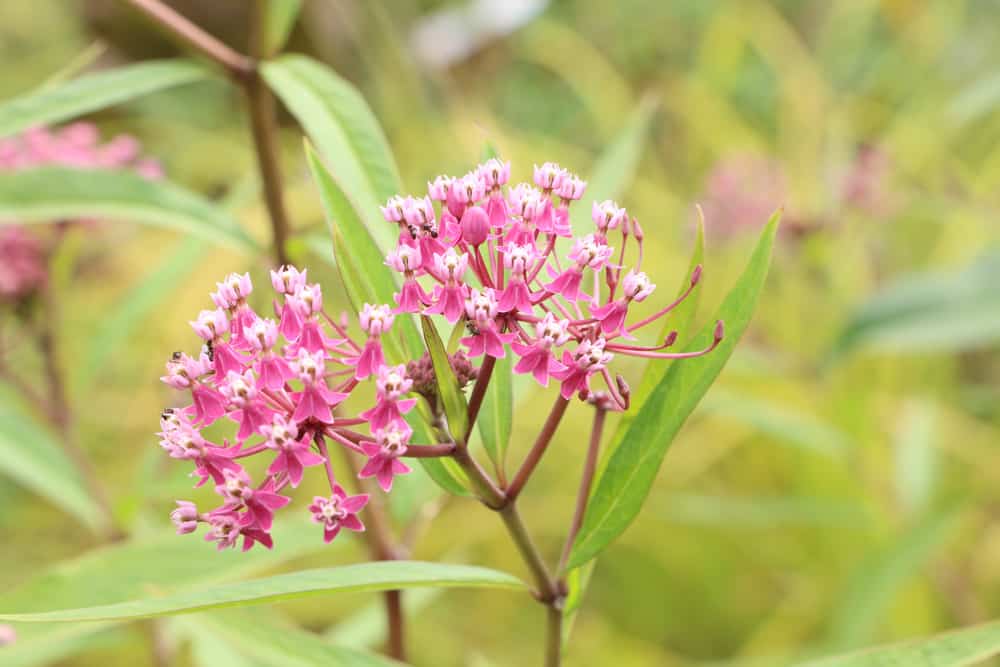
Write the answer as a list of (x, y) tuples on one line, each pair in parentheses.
[(838, 487)]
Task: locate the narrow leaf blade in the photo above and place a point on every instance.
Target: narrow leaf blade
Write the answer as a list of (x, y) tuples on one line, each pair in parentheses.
[(52, 194), (497, 413), (53, 104), (628, 476), (452, 398), (375, 576)]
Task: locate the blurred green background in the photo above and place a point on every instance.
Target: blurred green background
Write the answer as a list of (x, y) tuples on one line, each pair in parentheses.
[(839, 486)]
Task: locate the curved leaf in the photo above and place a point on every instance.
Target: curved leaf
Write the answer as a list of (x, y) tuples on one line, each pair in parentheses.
[(345, 132), (52, 194), (31, 455), (958, 648), (53, 104), (376, 576), (279, 21), (628, 476), (452, 398)]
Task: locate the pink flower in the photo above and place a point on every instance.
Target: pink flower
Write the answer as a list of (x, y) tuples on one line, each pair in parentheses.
[(185, 517), (383, 462), (518, 259), (375, 320), (232, 291), (537, 358), (391, 385), (475, 226), (22, 263), (481, 309), (588, 358), (338, 511), (250, 412), (449, 297), (607, 216), (260, 503), (316, 399), (294, 454)]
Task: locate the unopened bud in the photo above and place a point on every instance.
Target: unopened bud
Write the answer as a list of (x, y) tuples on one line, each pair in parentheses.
[(475, 225), (696, 275), (636, 230), (623, 387), (719, 331), (670, 339)]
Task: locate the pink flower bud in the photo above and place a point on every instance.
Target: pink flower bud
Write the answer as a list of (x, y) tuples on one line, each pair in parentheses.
[(475, 225), (185, 517)]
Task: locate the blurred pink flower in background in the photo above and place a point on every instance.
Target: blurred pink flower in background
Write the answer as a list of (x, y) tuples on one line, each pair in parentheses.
[(23, 256), (741, 192), (7, 635)]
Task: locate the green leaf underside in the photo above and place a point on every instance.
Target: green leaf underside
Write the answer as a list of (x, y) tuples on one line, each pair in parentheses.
[(375, 576), (345, 132), (628, 476), (54, 104), (53, 194), (496, 415), (968, 646), (367, 279), (30, 455), (452, 398)]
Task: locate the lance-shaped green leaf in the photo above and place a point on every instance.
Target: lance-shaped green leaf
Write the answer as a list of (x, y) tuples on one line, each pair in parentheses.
[(968, 646), (497, 412), (345, 132), (30, 455), (452, 398), (279, 21), (616, 166), (368, 280), (131, 569), (53, 104), (52, 194), (628, 476), (375, 576)]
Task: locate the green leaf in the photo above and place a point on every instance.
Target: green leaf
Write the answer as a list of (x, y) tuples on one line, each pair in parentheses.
[(52, 194), (279, 644), (969, 646), (367, 627), (53, 104), (452, 398), (497, 413), (31, 455), (939, 312), (368, 280), (879, 577), (279, 23), (345, 132), (137, 567), (137, 305), (616, 167), (628, 476), (375, 576)]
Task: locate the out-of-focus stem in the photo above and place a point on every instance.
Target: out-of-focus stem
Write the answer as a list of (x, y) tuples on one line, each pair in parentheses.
[(265, 130), (382, 547), (244, 70), (61, 414), (236, 64), (586, 481)]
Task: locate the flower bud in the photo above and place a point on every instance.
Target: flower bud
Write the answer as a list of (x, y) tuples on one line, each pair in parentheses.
[(475, 225)]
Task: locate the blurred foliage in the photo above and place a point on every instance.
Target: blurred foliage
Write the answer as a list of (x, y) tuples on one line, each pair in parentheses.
[(838, 488)]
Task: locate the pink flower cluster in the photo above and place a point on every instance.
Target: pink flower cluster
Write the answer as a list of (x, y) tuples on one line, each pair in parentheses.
[(23, 267), (502, 262), (281, 380), (489, 254)]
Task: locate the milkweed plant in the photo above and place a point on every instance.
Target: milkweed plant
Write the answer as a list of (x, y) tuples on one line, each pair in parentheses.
[(492, 280)]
